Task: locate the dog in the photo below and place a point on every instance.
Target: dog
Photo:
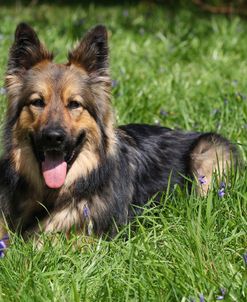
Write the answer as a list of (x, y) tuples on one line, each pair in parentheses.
[(66, 166)]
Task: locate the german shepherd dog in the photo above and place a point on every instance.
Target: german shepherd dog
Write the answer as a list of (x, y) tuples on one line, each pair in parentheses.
[(64, 164)]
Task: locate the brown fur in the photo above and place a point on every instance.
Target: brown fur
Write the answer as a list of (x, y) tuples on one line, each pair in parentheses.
[(113, 169), (57, 84), (208, 159)]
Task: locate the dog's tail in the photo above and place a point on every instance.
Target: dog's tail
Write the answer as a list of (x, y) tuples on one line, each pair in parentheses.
[(211, 155)]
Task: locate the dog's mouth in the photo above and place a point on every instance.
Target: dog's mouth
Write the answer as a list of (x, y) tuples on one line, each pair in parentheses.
[(55, 162), (54, 168)]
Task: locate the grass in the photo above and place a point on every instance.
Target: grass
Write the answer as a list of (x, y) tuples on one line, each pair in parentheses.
[(179, 68)]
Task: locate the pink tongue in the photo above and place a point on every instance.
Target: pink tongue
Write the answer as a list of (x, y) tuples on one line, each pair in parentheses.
[(54, 170)]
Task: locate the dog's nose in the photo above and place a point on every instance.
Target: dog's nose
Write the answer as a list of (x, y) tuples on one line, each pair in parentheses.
[(53, 137)]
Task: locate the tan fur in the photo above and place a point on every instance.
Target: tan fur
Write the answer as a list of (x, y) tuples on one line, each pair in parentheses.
[(71, 215), (62, 112), (14, 82), (99, 206), (64, 219), (57, 88), (26, 164), (31, 119), (109, 120), (13, 86), (85, 162), (208, 159)]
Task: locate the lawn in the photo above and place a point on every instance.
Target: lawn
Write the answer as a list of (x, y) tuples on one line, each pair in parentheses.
[(172, 66)]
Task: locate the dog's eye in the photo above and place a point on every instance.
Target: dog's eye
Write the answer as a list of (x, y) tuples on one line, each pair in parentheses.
[(38, 103), (74, 105)]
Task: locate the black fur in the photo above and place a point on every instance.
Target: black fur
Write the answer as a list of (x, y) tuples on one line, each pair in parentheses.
[(144, 160), (27, 50), (147, 158)]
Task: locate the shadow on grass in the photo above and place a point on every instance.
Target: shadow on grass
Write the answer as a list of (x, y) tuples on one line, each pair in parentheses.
[(167, 3)]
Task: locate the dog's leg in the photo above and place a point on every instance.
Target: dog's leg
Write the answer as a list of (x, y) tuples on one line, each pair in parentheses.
[(211, 155), (75, 218)]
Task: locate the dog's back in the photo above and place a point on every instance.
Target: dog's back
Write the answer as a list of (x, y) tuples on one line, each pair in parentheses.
[(65, 166)]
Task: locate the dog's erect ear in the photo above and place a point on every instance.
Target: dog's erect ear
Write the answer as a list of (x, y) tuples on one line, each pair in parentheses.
[(26, 50), (92, 51)]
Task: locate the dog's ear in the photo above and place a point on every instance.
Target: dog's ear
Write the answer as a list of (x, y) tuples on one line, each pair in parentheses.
[(26, 50), (92, 52)]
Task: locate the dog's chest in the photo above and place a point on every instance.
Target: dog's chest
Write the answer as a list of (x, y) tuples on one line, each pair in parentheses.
[(74, 215), (54, 213)]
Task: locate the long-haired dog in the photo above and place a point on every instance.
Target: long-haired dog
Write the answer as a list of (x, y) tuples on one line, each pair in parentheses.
[(65, 166)]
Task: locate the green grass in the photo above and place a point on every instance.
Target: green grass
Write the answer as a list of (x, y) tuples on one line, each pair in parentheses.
[(193, 67)]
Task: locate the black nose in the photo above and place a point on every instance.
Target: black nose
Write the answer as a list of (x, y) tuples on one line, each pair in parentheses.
[(53, 137)]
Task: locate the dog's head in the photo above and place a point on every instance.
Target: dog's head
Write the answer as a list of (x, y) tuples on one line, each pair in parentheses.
[(58, 114)]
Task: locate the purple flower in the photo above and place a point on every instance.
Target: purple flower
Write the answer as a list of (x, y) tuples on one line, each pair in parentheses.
[(215, 111), (89, 223), (141, 31), (79, 22), (163, 113), (222, 185), (2, 91), (86, 211), (245, 258), (5, 237), (201, 298), (2, 248), (222, 296), (202, 180), (221, 192), (114, 83), (125, 13)]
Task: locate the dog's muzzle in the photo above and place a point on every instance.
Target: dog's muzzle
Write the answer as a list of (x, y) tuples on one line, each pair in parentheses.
[(55, 151)]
